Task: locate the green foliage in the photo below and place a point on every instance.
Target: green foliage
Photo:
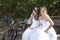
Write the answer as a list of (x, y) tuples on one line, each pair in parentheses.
[(23, 8)]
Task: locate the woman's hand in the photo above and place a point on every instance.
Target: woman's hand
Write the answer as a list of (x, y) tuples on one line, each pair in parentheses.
[(32, 28), (31, 15), (45, 31)]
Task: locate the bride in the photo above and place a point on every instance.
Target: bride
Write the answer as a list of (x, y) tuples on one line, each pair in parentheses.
[(47, 23), (35, 31)]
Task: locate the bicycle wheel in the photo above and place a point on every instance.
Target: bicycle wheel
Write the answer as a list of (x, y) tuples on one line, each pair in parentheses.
[(6, 36), (14, 34)]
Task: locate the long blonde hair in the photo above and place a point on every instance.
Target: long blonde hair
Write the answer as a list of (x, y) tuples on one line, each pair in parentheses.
[(45, 8)]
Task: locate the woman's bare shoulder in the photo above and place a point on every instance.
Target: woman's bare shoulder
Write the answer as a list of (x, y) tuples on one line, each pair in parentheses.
[(47, 17)]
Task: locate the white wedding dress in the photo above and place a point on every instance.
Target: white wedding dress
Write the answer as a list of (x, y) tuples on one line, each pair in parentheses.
[(37, 33), (51, 32)]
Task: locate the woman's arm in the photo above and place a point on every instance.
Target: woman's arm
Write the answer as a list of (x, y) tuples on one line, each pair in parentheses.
[(51, 22), (30, 19), (40, 23)]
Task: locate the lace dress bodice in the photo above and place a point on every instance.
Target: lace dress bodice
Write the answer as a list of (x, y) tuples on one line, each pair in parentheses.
[(35, 23), (44, 23)]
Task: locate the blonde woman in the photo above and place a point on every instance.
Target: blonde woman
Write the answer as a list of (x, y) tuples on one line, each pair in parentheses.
[(47, 24)]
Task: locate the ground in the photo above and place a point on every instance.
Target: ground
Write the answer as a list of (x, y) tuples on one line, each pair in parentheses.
[(19, 35)]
